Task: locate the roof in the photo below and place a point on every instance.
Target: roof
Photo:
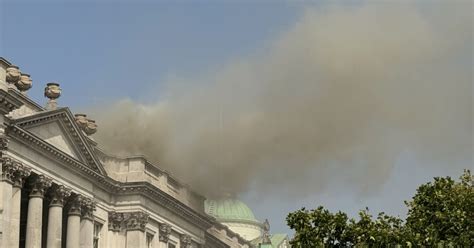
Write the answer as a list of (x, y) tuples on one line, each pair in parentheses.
[(277, 240), (229, 210)]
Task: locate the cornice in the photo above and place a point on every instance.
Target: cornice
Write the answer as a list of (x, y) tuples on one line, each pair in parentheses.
[(110, 185), (5, 61), (219, 226), (148, 190), (215, 242), (42, 146), (78, 137), (248, 222), (9, 102), (23, 98)]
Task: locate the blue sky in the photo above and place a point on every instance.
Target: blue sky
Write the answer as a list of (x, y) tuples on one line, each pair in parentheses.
[(110, 50), (101, 52)]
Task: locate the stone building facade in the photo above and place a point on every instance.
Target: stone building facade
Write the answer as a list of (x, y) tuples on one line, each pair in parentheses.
[(59, 189)]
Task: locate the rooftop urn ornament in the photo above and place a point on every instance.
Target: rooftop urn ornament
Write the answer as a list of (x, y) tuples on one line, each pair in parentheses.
[(87, 125), (81, 120), (91, 127), (13, 74), (53, 92), (24, 83)]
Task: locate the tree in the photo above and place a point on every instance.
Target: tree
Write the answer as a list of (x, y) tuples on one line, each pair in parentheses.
[(443, 212), (440, 213)]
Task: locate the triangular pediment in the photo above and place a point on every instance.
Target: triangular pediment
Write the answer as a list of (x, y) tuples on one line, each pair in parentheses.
[(58, 129), (55, 134)]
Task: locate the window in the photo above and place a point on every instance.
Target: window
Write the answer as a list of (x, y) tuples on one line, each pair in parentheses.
[(171, 245), (149, 240), (97, 229)]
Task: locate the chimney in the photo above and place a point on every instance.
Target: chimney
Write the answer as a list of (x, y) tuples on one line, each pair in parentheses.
[(53, 92)]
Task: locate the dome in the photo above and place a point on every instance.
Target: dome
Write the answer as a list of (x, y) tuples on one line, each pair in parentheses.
[(236, 215), (229, 210)]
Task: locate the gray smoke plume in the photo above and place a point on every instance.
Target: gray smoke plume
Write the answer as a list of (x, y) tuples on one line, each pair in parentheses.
[(342, 92)]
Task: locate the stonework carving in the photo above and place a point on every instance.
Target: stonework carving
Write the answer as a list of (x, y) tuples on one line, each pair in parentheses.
[(75, 203), (9, 168), (58, 195), (13, 74), (21, 112), (20, 175), (24, 83), (87, 125), (81, 120), (39, 185), (131, 221), (165, 231), (185, 241), (115, 221), (136, 221), (266, 232), (3, 143), (88, 208), (53, 92), (91, 127)]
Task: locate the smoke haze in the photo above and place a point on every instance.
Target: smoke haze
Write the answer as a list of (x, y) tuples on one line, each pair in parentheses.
[(338, 96)]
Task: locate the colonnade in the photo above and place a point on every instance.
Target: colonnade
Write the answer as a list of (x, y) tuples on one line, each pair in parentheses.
[(80, 223)]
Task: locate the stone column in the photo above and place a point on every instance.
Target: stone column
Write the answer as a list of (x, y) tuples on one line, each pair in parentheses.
[(34, 220), (55, 218), (135, 223), (87, 224), (185, 241), (18, 182), (114, 223), (9, 168), (164, 235), (74, 222)]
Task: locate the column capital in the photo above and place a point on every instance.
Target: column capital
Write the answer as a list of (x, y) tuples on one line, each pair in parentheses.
[(185, 241), (39, 185), (58, 194), (9, 168), (20, 175), (115, 221), (75, 203), (4, 143), (136, 220), (165, 231), (87, 208)]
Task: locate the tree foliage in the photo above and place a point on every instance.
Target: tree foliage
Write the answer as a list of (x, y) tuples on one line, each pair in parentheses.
[(440, 214)]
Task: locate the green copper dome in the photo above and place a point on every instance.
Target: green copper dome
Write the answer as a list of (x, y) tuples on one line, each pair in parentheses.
[(229, 210)]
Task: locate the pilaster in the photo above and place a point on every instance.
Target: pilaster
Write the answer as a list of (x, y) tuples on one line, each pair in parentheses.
[(87, 224), (185, 241), (134, 224), (165, 232), (164, 235)]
